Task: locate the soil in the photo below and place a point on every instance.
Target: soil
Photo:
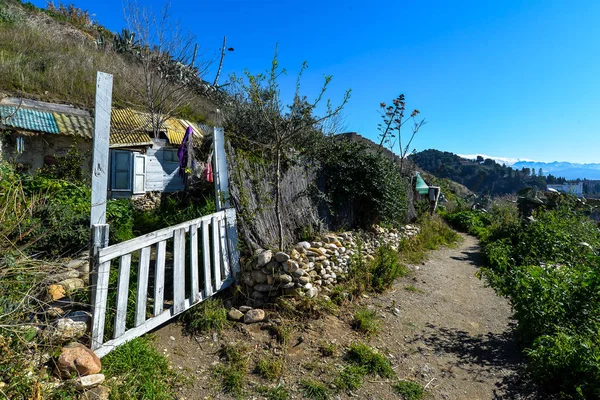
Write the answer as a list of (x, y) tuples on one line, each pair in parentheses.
[(440, 326)]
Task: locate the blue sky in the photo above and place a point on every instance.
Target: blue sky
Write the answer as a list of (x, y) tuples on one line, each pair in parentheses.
[(505, 78)]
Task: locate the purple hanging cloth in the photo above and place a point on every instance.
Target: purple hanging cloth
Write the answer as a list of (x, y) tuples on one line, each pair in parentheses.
[(183, 153)]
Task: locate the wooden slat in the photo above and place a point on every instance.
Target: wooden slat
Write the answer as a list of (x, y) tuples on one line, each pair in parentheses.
[(224, 254), (147, 326), (142, 289), (232, 241), (208, 289), (149, 239), (179, 270), (159, 278), (100, 304), (195, 295), (216, 250), (122, 294)]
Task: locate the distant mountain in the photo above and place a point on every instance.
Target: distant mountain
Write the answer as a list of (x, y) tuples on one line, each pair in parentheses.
[(500, 160), (563, 168)]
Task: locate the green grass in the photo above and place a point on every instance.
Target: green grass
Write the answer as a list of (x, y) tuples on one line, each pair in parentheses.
[(409, 390), (233, 379), (366, 321), (414, 289), (270, 368), (328, 349), (370, 360), (350, 378), (282, 333), (140, 372), (208, 316), (277, 393), (314, 389)]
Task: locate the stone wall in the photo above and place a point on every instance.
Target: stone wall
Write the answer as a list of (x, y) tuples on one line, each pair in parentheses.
[(314, 267)]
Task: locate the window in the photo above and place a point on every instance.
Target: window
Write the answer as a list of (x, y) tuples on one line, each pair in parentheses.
[(20, 145), (121, 170), (170, 155)]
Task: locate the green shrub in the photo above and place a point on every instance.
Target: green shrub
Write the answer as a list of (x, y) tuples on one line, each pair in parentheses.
[(350, 378), (409, 390), (370, 360), (328, 349), (385, 268), (366, 321)]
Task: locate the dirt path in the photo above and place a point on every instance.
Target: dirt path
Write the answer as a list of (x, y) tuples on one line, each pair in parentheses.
[(452, 332), (440, 327)]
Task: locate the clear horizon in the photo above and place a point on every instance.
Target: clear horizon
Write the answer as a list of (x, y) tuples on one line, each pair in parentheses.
[(517, 79)]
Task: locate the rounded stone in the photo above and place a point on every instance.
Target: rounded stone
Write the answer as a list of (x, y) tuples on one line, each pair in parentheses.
[(254, 315), (280, 256)]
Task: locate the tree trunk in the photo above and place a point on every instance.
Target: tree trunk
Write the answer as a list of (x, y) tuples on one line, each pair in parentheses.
[(278, 192)]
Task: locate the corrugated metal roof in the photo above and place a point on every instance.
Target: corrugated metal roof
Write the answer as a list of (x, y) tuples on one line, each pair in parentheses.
[(129, 139), (75, 125), (128, 120), (31, 120), (177, 131)]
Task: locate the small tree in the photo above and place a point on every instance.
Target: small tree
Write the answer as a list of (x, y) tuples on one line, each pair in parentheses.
[(259, 117), (167, 58), (393, 121)]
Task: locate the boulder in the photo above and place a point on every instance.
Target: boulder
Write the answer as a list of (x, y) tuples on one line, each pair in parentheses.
[(259, 276), (254, 315), (235, 315), (264, 258), (280, 256), (77, 359), (71, 327)]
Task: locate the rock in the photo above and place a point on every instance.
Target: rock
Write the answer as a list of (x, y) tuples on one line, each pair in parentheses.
[(77, 359), (287, 285), (71, 327), (247, 279), (298, 273), (304, 280), (55, 312), (264, 258), (312, 292), (259, 277), (280, 256), (270, 280), (308, 286), (89, 381), (256, 295), (290, 266), (72, 284), (295, 255), (245, 309), (285, 278), (235, 315), (303, 245), (97, 393), (56, 292), (315, 251), (263, 287), (255, 315)]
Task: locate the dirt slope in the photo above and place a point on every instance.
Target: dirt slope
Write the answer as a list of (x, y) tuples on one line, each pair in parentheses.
[(440, 327)]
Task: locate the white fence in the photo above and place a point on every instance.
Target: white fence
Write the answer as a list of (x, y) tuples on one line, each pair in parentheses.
[(173, 269)]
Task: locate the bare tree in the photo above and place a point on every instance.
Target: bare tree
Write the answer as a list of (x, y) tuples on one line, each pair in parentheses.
[(393, 121), (166, 54), (265, 121)]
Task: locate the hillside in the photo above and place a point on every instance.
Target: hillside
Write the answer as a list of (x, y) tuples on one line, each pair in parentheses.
[(480, 176), (566, 169), (53, 55)]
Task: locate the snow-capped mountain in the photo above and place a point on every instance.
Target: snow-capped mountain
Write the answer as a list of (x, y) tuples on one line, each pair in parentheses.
[(500, 160)]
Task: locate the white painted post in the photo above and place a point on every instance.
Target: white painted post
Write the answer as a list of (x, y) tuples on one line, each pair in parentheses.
[(232, 242), (104, 84), (220, 170)]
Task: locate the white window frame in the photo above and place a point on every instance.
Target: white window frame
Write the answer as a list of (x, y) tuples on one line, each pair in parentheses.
[(140, 173), (113, 171)]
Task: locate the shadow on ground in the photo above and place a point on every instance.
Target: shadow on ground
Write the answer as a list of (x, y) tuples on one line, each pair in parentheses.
[(487, 354)]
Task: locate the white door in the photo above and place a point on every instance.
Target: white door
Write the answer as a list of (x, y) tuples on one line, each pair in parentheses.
[(121, 170), (139, 174)]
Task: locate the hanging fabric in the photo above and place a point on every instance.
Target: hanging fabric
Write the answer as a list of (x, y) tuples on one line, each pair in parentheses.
[(183, 154)]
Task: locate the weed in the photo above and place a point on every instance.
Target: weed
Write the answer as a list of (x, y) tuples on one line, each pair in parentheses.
[(328, 349), (136, 365), (210, 315), (234, 353), (370, 360), (233, 378), (409, 390), (314, 389), (414, 289), (270, 368), (366, 321), (386, 268), (282, 333), (276, 393), (350, 378)]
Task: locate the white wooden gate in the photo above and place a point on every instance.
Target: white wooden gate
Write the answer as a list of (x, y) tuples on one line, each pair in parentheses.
[(174, 269)]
